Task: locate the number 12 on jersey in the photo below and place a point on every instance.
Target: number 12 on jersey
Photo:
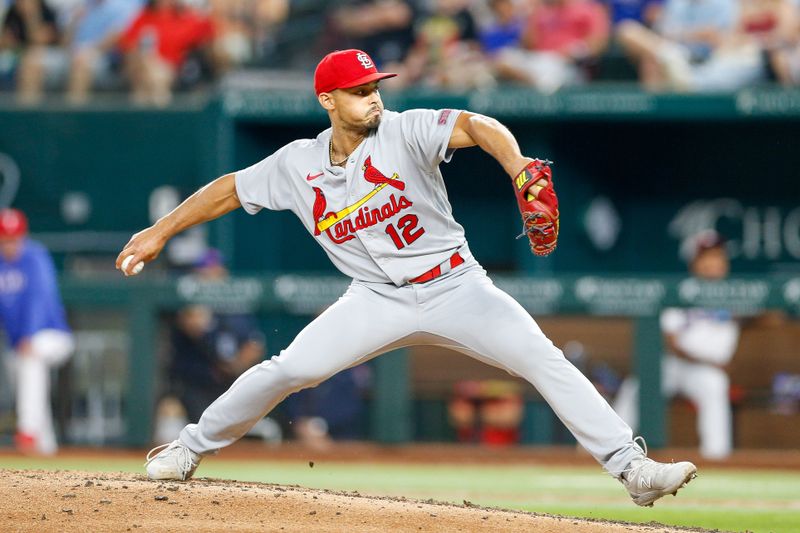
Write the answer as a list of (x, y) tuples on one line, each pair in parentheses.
[(408, 228)]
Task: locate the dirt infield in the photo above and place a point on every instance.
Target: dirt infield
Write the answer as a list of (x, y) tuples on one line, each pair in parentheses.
[(60, 501)]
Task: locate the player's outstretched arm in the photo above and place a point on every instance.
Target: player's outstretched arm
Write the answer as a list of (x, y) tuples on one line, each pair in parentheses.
[(472, 129), (210, 202)]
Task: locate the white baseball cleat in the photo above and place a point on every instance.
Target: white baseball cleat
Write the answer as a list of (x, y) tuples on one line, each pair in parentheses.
[(648, 480), (174, 462)]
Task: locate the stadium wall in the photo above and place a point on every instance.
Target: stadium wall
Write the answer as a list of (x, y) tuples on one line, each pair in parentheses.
[(639, 172)]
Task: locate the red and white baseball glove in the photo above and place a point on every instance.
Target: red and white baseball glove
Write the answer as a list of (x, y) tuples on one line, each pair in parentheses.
[(538, 204)]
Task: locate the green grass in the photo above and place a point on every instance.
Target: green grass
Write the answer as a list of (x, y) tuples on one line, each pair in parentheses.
[(758, 501)]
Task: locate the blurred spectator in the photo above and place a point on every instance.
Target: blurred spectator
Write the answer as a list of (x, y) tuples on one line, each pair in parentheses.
[(32, 316), (330, 411), (487, 412), (28, 40), (786, 64), (91, 38), (65, 9), (785, 394), (707, 45), (561, 38), (645, 12), (244, 29), (700, 344), (156, 45), (605, 379), (774, 25), (446, 52), (505, 29), (88, 51), (269, 16), (771, 23), (210, 350), (382, 28), (786, 60), (685, 33)]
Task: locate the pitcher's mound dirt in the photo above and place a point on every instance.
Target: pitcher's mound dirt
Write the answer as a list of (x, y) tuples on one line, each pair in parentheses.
[(45, 501)]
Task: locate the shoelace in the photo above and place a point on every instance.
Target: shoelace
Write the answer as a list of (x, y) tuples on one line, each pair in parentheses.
[(644, 444), (185, 459), (149, 459), (644, 449)]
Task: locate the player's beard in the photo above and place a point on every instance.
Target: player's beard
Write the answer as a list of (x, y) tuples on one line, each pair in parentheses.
[(363, 126), (373, 121)]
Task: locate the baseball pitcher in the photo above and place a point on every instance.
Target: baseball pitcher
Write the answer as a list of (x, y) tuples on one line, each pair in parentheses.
[(369, 191)]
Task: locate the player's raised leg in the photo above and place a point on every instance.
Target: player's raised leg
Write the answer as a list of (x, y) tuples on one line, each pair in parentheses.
[(369, 319), (494, 328)]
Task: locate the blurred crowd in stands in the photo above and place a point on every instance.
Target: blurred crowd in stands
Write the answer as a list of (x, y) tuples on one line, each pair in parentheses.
[(153, 47)]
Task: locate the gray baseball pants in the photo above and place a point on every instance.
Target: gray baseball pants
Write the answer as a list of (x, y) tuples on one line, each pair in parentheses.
[(461, 310)]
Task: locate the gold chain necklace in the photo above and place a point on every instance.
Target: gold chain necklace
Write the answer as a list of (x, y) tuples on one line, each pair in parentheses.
[(330, 154)]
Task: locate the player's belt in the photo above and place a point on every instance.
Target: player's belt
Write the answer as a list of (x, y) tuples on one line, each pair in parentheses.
[(443, 268)]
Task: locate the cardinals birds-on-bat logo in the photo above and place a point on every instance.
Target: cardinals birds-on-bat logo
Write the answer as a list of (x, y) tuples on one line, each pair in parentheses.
[(373, 175), (324, 219), (320, 203)]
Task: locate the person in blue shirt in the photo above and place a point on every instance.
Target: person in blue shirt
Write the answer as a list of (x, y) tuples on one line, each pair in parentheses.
[(505, 30), (38, 337), (645, 12), (96, 27), (693, 47)]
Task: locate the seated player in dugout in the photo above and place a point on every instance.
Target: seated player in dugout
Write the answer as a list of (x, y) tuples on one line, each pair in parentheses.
[(370, 192), (700, 344), (34, 322)]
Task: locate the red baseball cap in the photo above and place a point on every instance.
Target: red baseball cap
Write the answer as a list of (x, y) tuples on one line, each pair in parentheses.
[(346, 68), (13, 224)]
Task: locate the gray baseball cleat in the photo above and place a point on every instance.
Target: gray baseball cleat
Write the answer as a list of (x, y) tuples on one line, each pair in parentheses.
[(174, 462), (648, 480)]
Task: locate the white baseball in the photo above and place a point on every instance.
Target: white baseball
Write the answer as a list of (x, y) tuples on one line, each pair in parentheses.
[(136, 269)]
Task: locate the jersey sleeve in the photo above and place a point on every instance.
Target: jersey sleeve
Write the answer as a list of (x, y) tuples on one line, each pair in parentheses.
[(672, 320), (42, 300), (427, 133), (264, 185)]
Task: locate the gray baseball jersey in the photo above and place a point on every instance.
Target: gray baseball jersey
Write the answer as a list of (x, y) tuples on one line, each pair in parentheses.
[(385, 217), (383, 220)]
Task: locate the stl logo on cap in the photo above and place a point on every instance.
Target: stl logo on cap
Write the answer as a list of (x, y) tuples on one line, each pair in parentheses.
[(365, 60)]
